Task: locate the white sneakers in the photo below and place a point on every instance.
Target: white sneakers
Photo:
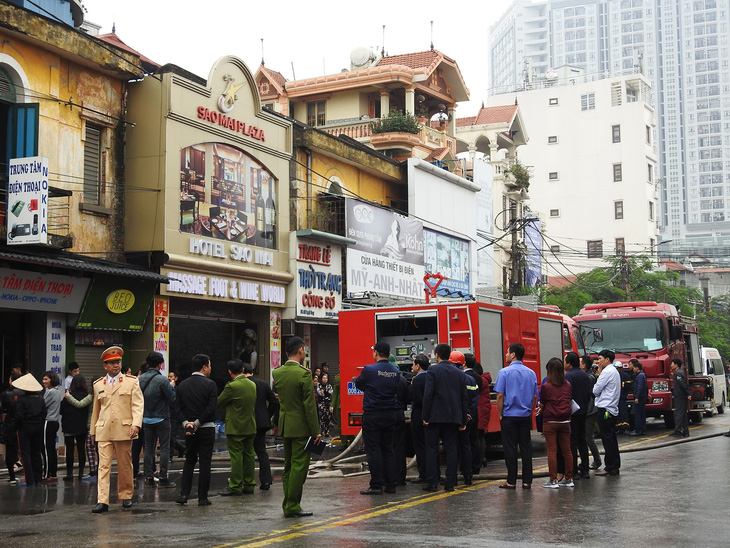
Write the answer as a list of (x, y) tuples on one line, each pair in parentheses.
[(555, 484)]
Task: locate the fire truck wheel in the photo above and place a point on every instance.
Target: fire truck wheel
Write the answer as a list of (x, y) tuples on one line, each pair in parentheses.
[(695, 418)]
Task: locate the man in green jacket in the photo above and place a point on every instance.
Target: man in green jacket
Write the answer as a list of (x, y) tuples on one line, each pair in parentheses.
[(297, 423), (239, 400)]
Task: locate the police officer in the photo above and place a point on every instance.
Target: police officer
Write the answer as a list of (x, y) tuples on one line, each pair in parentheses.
[(115, 422), (379, 381)]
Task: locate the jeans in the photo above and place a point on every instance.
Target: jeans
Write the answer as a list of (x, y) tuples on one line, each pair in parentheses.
[(640, 417), (153, 432), (558, 432), (591, 421), (516, 434), (378, 432)]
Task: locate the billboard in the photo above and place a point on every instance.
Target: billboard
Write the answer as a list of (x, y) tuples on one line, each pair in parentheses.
[(27, 200), (533, 241), (448, 256), (318, 280), (388, 256)]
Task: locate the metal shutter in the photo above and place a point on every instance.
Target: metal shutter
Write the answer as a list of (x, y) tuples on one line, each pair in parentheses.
[(92, 164)]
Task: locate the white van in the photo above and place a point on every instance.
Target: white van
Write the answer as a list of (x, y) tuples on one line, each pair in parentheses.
[(712, 366)]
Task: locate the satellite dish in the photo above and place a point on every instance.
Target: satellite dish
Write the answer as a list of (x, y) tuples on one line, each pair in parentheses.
[(360, 56), (551, 74)]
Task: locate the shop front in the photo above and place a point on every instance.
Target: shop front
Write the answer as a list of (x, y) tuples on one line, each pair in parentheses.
[(213, 168)]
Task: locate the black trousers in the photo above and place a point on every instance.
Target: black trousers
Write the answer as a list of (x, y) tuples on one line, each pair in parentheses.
[(50, 455), (137, 445), (465, 455), (607, 429), (378, 432), (419, 444), (681, 417), (399, 447), (259, 447), (77, 442), (476, 452), (11, 449), (578, 442), (516, 435), (198, 446), (30, 435), (448, 434)]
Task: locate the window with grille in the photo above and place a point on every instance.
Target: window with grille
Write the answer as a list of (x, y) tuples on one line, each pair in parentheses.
[(618, 209), (316, 113), (92, 164), (617, 172), (595, 249), (616, 134)]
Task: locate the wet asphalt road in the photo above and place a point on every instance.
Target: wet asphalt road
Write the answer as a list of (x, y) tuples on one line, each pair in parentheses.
[(675, 494)]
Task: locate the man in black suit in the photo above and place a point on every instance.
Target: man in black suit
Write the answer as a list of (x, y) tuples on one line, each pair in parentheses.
[(266, 407), (195, 409), (444, 414), (418, 386)]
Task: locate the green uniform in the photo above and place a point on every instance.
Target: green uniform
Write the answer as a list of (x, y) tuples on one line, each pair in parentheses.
[(239, 400), (297, 422)]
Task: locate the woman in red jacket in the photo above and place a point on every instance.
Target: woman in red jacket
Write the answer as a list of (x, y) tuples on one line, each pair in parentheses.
[(484, 410), (554, 405)]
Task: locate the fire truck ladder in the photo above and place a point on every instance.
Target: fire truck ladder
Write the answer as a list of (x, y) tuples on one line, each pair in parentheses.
[(460, 328)]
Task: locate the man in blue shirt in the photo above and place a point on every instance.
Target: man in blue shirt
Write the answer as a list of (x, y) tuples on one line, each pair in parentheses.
[(379, 382), (516, 389)]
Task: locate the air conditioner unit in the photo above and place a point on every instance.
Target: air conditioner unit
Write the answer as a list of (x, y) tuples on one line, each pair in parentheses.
[(288, 328)]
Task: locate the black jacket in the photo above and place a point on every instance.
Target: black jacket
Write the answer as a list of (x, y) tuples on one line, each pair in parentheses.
[(30, 409), (418, 386), (680, 388), (582, 387), (196, 399), (445, 399), (74, 420), (266, 403)]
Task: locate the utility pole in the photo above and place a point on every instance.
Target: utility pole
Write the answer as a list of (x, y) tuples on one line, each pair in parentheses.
[(516, 273), (625, 271)]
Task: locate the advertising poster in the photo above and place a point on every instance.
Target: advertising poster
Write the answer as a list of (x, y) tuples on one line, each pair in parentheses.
[(388, 256), (319, 280), (56, 336), (533, 241), (275, 338), (162, 324), (483, 176), (448, 256), (27, 200), (26, 290)]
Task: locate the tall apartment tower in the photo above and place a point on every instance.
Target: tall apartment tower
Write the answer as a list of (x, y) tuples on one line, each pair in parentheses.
[(682, 48)]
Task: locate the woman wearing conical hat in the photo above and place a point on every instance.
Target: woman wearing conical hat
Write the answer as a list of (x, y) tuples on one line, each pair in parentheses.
[(30, 416)]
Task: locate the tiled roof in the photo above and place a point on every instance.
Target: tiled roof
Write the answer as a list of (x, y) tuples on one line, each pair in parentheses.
[(673, 265), (275, 77), (561, 281), (421, 59), (490, 115), (114, 40), (437, 154), (84, 264)]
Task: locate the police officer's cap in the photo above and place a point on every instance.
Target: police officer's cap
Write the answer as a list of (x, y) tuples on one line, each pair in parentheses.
[(112, 353)]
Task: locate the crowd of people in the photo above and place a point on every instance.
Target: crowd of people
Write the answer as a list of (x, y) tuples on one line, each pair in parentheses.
[(450, 404)]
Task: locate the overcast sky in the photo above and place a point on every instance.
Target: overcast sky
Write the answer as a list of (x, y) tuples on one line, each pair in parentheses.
[(315, 37)]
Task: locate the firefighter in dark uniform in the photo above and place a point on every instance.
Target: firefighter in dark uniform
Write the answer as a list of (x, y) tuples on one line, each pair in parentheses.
[(379, 382), (681, 398)]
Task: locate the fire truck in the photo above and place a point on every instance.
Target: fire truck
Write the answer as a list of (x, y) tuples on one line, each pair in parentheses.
[(655, 334), (481, 328)]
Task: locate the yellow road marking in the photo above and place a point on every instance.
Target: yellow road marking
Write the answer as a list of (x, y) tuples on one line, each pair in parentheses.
[(298, 531)]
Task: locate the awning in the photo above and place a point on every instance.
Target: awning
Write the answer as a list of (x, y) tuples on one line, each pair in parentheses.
[(115, 303), (70, 261)]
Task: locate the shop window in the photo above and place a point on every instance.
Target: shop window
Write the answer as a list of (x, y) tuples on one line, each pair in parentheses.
[(92, 164)]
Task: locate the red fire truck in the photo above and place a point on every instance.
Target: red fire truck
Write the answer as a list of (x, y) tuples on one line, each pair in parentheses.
[(654, 334), (481, 328)]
